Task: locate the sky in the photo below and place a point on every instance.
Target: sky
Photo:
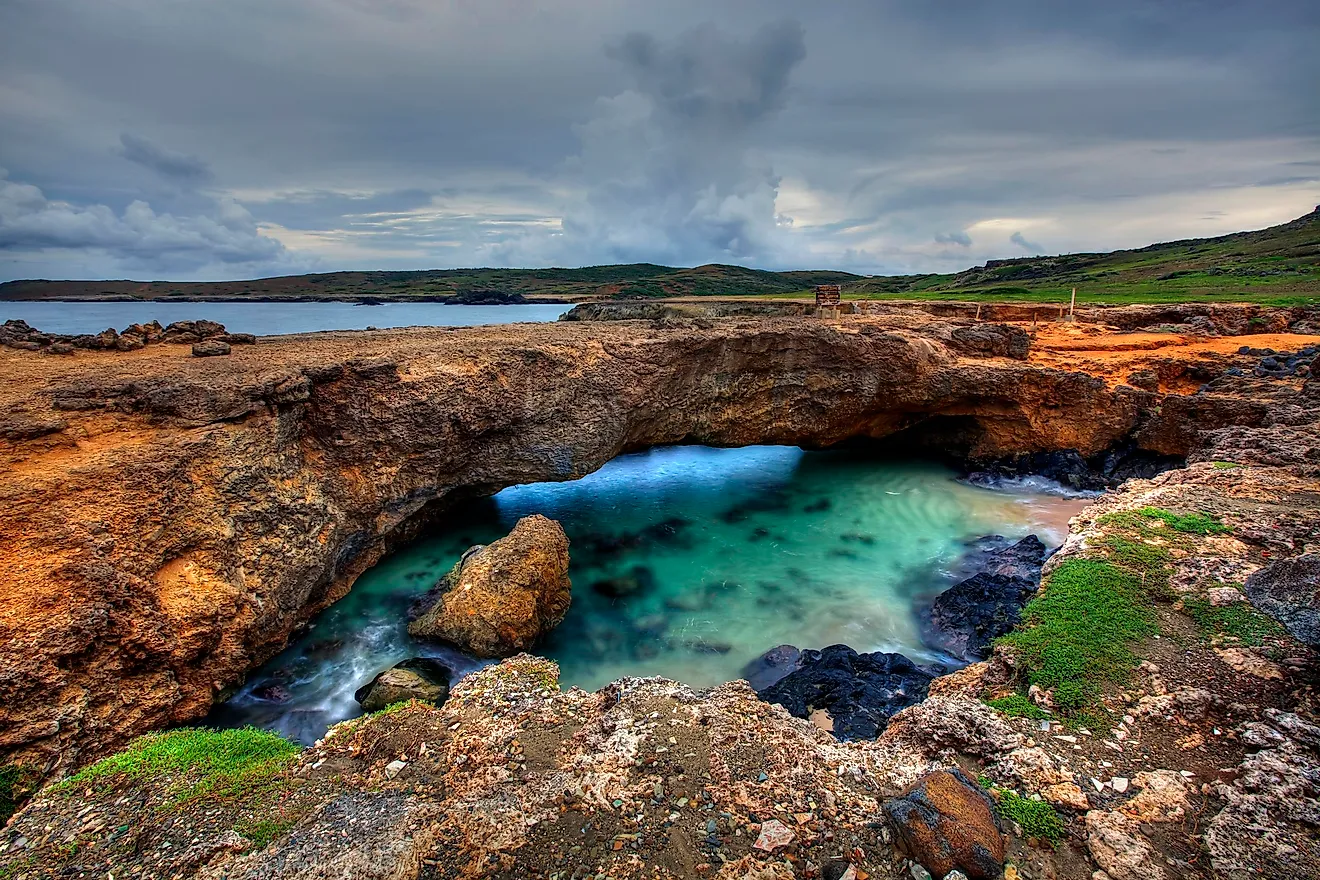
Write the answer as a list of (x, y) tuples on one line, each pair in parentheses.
[(186, 139)]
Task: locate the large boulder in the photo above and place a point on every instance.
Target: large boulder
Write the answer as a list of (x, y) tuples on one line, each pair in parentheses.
[(418, 678), (966, 618), (210, 348), (1289, 591), (503, 597), (860, 692), (946, 822)]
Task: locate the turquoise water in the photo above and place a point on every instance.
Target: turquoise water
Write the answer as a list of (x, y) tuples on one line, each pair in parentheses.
[(732, 552), (267, 319)]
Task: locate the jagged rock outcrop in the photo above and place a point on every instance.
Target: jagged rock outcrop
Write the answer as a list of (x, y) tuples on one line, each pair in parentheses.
[(849, 694), (966, 618), (209, 334), (1289, 591), (501, 599), (167, 521)]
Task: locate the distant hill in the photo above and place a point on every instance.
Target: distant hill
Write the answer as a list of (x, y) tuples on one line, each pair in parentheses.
[(1279, 264), (632, 280)]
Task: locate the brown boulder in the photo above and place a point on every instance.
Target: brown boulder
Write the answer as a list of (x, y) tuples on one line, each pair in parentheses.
[(210, 348), (947, 823), (415, 679), (502, 598)]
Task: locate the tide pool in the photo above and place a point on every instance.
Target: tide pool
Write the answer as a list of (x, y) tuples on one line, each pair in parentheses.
[(722, 554)]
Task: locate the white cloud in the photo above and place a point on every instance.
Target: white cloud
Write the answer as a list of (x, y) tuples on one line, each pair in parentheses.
[(227, 236)]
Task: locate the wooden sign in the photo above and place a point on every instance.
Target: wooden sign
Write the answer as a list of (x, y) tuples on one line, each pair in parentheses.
[(827, 295)]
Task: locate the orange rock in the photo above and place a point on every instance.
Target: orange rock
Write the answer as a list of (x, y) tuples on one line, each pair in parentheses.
[(947, 823), (502, 598)]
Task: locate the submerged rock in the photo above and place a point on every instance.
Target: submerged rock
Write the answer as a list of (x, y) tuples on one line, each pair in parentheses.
[(861, 692), (638, 579), (966, 619), (506, 595), (771, 666), (418, 678), (947, 823)]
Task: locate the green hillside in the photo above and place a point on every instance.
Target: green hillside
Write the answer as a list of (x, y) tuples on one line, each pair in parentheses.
[(1280, 265)]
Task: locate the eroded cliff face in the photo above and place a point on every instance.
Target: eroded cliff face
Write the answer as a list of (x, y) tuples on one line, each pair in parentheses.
[(166, 522)]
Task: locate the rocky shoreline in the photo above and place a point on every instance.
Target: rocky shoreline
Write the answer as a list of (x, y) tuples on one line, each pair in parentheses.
[(1189, 750)]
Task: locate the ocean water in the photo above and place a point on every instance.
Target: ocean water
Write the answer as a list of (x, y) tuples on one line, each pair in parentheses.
[(268, 319), (730, 552)]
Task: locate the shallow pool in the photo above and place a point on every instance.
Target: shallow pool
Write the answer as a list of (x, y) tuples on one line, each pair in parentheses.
[(725, 553)]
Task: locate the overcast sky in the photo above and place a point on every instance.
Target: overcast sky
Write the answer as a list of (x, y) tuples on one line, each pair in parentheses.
[(189, 139)]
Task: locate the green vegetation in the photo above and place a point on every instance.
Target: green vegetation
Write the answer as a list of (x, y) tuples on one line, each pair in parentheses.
[(1076, 633), (1037, 818), (1237, 622), (263, 831), (1016, 706), (1224, 465), (1187, 523), (11, 791), (1141, 524), (197, 763), (1275, 266)]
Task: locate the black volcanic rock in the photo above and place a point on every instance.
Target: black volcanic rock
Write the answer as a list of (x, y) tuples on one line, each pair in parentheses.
[(772, 666), (1289, 591), (861, 692), (485, 297), (965, 619), (1105, 470)]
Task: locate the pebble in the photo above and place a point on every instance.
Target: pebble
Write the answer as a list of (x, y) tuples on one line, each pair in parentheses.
[(1120, 784), (393, 768), (774, 834)]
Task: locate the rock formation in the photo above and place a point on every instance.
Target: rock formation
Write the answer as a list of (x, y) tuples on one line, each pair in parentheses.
[(417, 678), (947, 823), (501, 599), (849, 694), (965, 619), (168, 521)]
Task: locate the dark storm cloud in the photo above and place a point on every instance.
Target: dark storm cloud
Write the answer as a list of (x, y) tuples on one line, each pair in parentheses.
[(959, 238), (255, 136), (1021, 241), (227, 235), (666, 168), (188, 169)]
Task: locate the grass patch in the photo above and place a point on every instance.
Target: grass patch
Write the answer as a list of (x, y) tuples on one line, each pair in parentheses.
[(1037, 818), (1155, 523), (1016, 706), (1224, 465), (1237, 622), (198, 762), (1187, 523), (1076, 633), (263, 831), (11, 791)]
